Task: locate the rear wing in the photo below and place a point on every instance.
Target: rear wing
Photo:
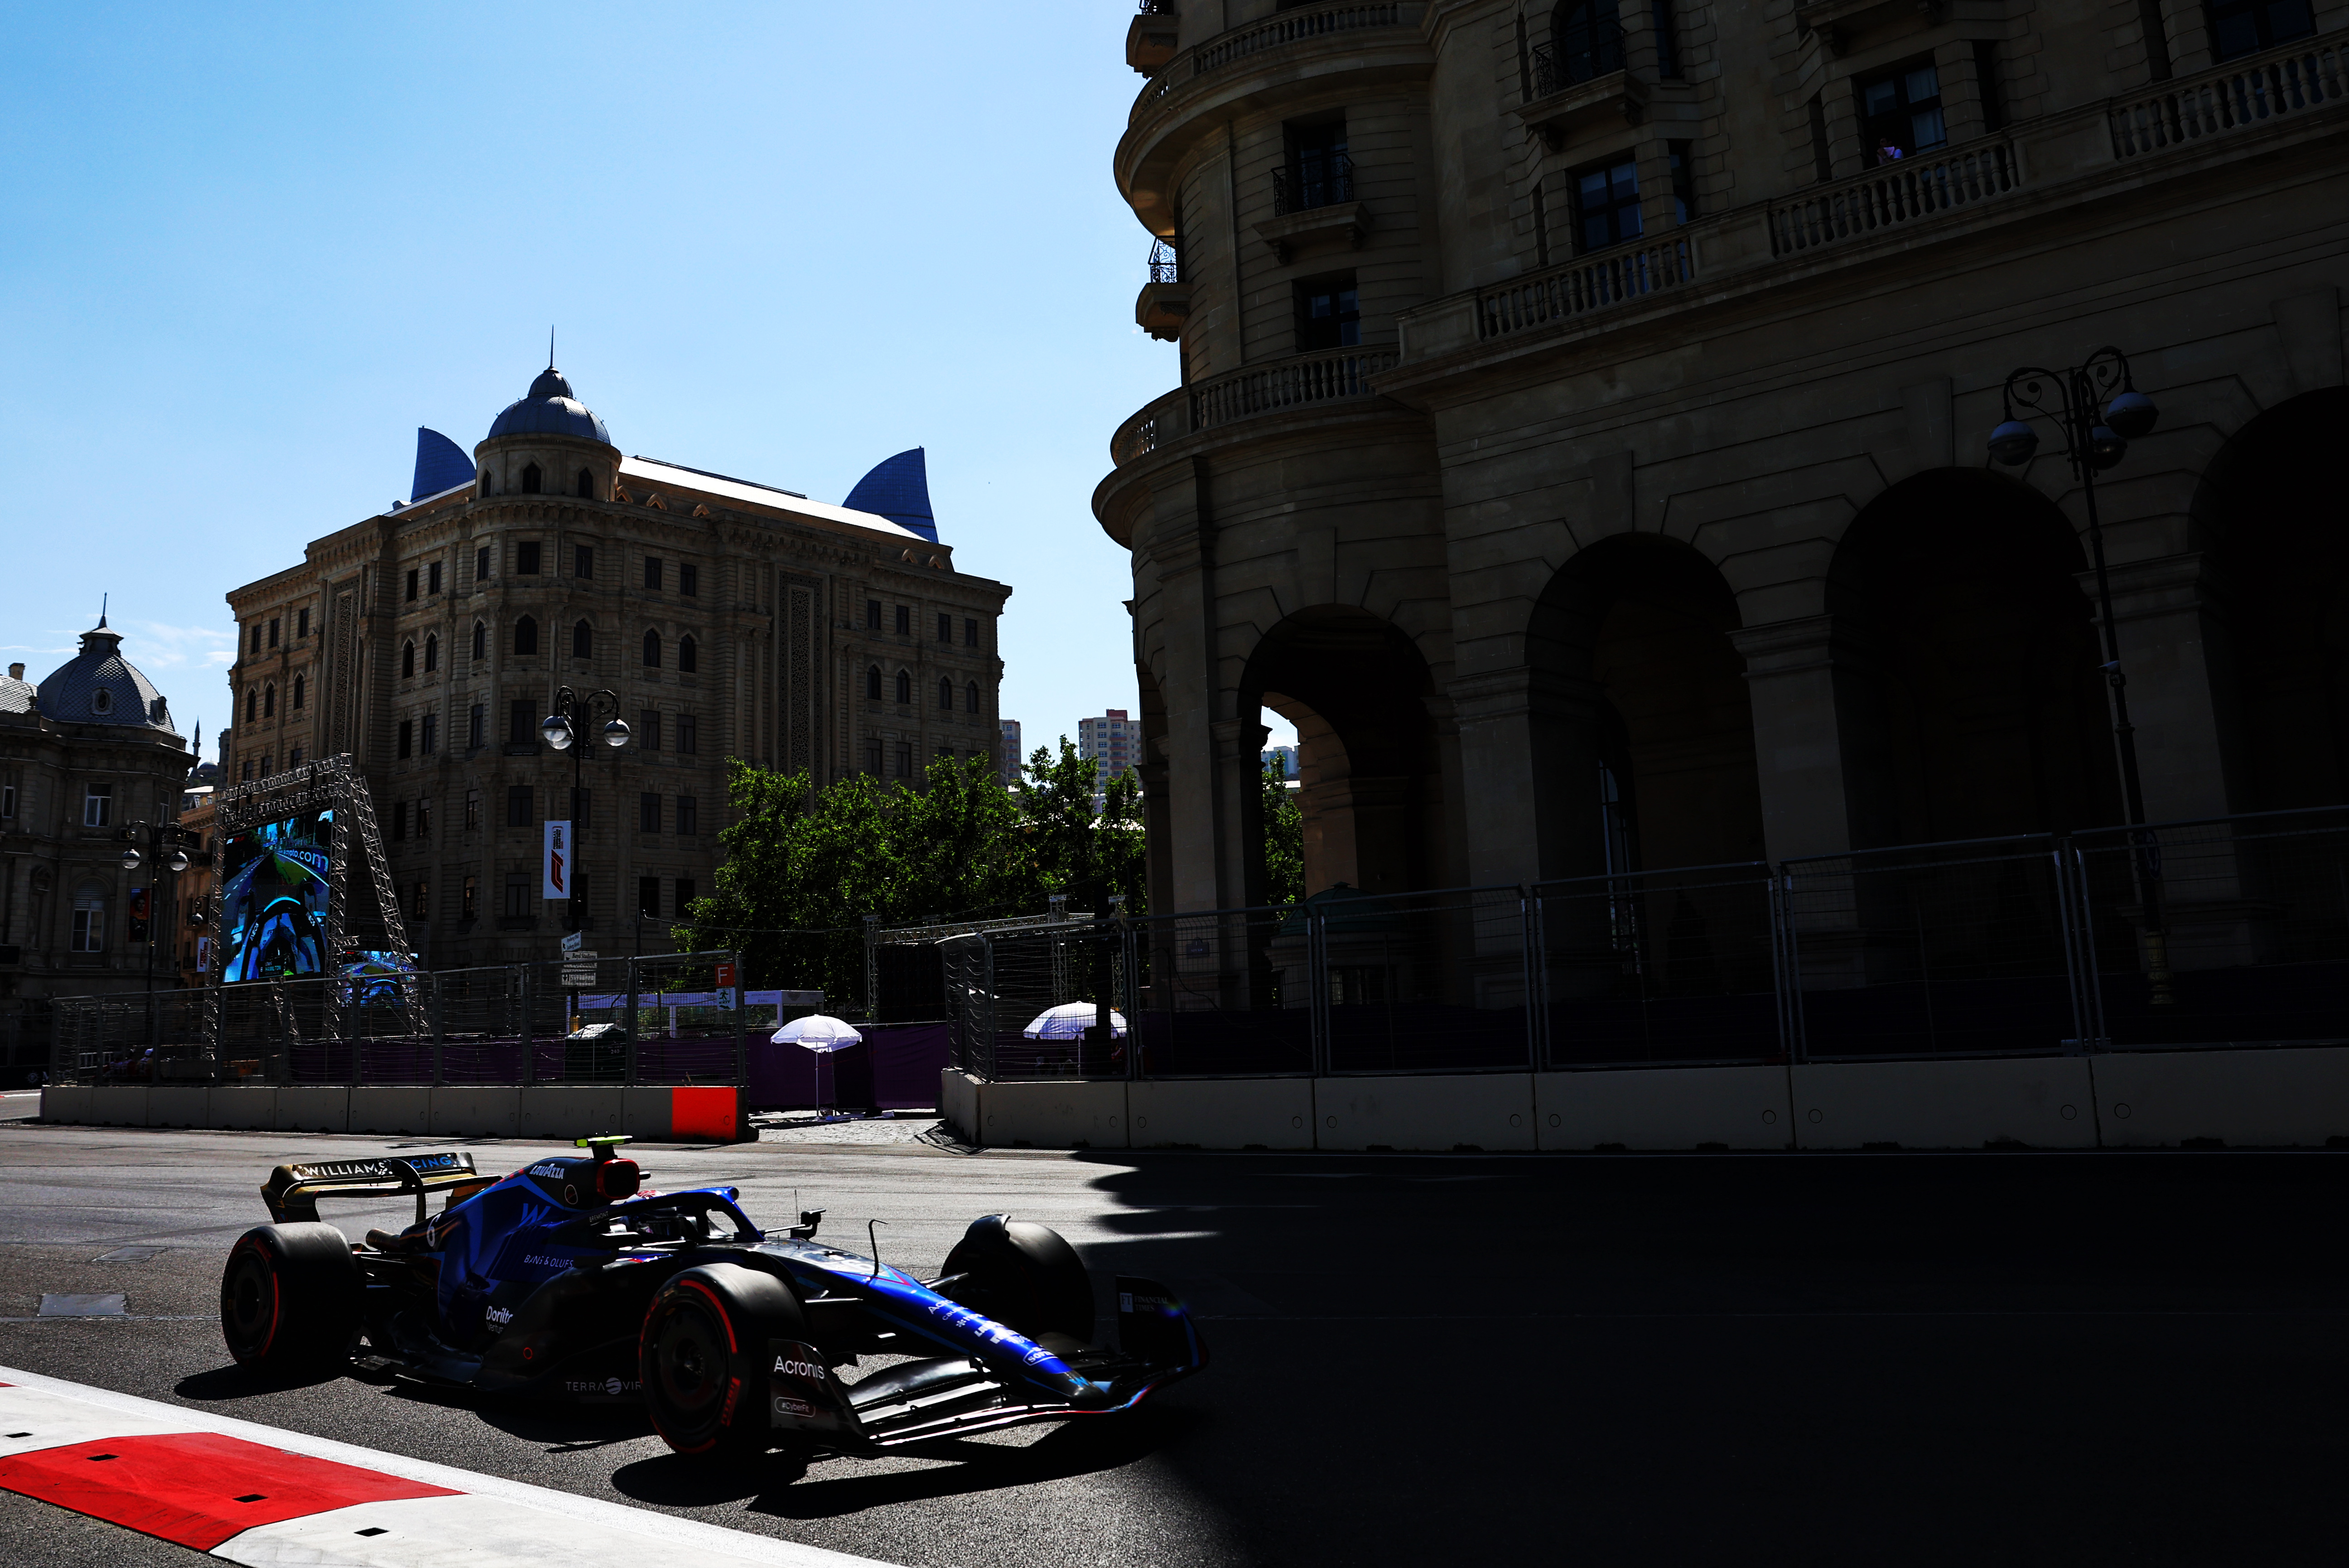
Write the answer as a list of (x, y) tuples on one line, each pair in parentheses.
[(293, 1191)]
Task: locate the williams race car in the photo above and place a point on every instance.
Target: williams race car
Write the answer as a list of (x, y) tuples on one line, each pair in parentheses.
[(566, 1280)]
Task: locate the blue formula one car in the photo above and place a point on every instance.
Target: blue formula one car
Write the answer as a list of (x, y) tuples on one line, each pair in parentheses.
[(567, 1279)]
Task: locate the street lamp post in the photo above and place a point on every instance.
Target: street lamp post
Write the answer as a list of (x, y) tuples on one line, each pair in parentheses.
[(574, 711), (166, 844), (2094, 441)]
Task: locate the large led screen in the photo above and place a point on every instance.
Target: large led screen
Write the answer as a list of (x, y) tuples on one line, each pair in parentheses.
[(273, 901)]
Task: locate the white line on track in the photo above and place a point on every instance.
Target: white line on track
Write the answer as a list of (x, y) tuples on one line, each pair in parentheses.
[(494, 1523)]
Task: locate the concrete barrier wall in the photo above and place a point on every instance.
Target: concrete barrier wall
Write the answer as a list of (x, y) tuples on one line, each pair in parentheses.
[(568, 1111), (242, 1109), (959, 1103), (1052, 1115), (1664, 1108), (314, 1109), (2040, 1101), (389, 1111), (2282, 1098), (179, 1106), (1222, 1113), (119, 1107), (1489, 1111), (476, 1113), (70, 1103), (558, 1112), (644, 1114)]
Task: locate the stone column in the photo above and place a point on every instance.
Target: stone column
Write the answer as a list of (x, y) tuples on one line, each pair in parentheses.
[(2168, 623), (1180, 552), (1528, 750), (1810, 741)]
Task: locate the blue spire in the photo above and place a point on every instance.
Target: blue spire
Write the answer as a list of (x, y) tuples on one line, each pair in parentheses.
[(898, 488), (440, 465)]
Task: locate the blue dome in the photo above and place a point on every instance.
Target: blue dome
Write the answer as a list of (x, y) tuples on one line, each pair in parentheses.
[(898, 488), (549, 409)]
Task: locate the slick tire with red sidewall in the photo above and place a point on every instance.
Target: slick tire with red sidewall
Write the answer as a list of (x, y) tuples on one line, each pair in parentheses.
[(1023, 1276), (290, 1298), (702, 1357)]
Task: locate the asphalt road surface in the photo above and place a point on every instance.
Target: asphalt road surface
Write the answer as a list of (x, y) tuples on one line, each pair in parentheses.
[(1818, 1359)]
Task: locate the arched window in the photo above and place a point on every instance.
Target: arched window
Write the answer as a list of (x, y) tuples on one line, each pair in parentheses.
[(530, 479), (971, 697), (1586, 39), (905, 687), (873, 683), (652, 650), (300, 686), (481, 639), (689, 655), (525, 636), (407, 658), (946, 695), (269, 702), (485, 484), (431, 652), (583, 641), (587, 485), (252, 705)]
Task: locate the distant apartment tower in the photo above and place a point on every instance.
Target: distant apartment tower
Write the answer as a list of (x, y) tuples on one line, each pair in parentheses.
[(1113, 741), (1286, 757), (1008, 755)]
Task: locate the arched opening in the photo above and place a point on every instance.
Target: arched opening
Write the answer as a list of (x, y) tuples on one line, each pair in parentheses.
[(652, 650), (689, 655), (1645, 757), (905, 686), (530, 479), (301, 686), (525, 636), (583, 640), (946, 694), (431, 652), (252, 705), (873, 683), (1975, 703), (971, 697), (586, 486), (407, 658), (1586, 40), (268, 702), (2272, 510), (485, 484), (1371, 791)]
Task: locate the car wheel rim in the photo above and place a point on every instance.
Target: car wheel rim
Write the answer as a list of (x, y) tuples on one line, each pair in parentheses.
[(689, 1363), (250, 1301)]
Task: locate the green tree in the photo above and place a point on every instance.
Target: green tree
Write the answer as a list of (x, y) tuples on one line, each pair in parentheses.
[(1284, 839)]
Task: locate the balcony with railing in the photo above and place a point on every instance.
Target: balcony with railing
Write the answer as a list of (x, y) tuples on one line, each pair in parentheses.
[(1605, 280), (1165, 301), (1895, 196), (1284, 32), (1302, 382)]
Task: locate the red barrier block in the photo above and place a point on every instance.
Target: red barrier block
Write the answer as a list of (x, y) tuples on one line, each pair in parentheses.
[(711, 1116)]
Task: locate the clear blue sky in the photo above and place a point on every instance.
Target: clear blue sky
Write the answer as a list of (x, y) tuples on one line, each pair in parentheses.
[(250, 249)]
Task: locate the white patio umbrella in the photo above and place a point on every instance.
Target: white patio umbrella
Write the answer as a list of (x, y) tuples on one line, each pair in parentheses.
[(822, 1034), (1069, 1021)]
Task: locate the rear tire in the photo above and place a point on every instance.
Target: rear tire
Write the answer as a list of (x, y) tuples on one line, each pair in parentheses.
[(702, 1357), (290, 1298), (1023, 1276)]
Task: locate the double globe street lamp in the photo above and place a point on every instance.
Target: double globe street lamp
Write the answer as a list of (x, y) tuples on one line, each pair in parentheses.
[(166, 844), (2098, 411), (574, 711)]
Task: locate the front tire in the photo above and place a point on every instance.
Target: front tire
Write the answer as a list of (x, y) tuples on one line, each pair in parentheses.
[(702, 1357), (1023, 1276), (290, 1298)]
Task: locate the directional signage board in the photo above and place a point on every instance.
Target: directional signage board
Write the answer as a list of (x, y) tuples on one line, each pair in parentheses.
[(571, 940)]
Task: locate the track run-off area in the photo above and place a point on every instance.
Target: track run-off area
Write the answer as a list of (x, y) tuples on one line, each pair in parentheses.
[(1608, 1359)]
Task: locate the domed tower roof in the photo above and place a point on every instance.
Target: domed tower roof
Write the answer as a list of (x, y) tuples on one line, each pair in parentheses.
[(99, 686), (549, 409)]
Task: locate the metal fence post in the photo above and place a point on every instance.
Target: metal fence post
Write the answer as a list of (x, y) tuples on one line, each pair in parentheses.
[(529, 1050), (439, 1033), (1537, 988), (872, 968), (628, 1041), (741, 1048), (1317, 986)]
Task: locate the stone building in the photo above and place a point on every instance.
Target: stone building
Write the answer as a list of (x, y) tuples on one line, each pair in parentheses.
[(730, 619), (90, 751), (1580, 435)]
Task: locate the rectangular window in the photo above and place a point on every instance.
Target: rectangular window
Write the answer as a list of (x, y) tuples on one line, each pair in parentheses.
[(648, 897), (517, 895), (873, 615), (472, 809), (1606, 204), (98, 806), (688, 580), (302, 625), (1822, 158), (432, 578), (1900, 113), (684, 893), (471, 895), (407, 737), (1328, 312), (526, 558), (2246, 27), (272, 631), (687, 733), (411, 584), (293, 758), (904, 759), (430, 740), (648, 728), (653, 573), (688, 816), (89, 925), (1993, 102), (521, 721), (518, 805), (583, 562), (1541, 223), (420, 906), (905, 620), (1668, 45), (872, 758), (477, 725), (481, 565), (1683, 179), (1319, 172), (424, 819), (648, 813), (399, 821), (583, 801), (7, 802), (970, 632), (945, 629), (256, 636)]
